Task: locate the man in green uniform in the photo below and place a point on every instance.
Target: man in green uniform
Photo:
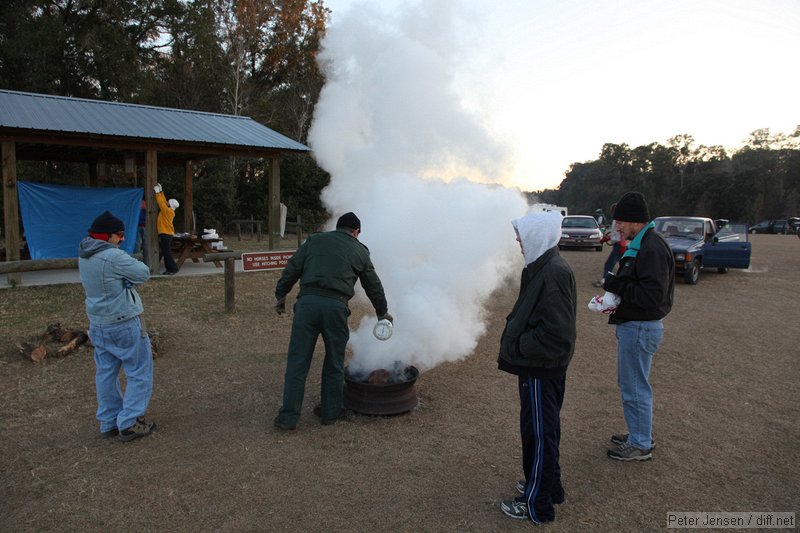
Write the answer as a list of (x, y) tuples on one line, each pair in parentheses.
[(328, 266)]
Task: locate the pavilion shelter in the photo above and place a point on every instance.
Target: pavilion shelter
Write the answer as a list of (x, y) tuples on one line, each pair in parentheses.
[(40, 127)]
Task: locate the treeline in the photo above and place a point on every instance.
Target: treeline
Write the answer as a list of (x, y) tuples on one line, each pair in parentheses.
[(258, 58), (759, 181), (243, 57)]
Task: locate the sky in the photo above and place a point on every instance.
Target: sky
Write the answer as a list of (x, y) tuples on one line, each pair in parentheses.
[(437, 114), (549, 82)]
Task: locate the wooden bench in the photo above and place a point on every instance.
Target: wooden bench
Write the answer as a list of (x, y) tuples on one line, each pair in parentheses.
[(254, 227)]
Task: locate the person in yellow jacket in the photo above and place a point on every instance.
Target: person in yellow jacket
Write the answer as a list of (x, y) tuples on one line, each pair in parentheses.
[(166, 230)]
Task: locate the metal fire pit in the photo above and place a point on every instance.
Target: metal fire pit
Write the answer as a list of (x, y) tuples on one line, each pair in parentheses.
[(380, 393)]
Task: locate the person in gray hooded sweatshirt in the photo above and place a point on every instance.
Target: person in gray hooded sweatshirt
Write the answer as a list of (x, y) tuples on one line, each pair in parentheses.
[(109, 277), (537, 344)]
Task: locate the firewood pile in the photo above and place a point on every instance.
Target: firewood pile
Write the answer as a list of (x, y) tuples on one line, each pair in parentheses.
[(59, 341)]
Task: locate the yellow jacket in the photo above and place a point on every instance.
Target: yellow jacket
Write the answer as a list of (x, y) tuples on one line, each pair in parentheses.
[(165, 215)]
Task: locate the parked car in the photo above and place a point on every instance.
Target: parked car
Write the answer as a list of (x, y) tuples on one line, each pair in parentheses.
[(772, 226), (698, 243), (581, 231)]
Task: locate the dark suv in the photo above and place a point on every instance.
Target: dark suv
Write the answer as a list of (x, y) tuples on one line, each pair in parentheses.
[(773, 226)]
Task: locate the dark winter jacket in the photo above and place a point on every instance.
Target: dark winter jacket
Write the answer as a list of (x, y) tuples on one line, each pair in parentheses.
[(645, 283), (539, 336), (329, 264)]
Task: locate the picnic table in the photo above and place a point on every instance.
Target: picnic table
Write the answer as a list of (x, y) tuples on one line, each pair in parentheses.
[(194, 248)]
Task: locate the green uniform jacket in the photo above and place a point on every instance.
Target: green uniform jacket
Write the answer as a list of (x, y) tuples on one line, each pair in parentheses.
[(329, 264)]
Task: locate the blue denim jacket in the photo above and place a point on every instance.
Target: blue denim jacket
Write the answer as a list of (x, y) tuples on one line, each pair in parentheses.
[(109, 276)]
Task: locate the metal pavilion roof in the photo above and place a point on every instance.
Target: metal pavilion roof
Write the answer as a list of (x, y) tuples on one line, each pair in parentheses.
[(54, 115)]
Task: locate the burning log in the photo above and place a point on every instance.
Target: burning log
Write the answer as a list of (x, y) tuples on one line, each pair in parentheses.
[(382, 392), (379, 377)]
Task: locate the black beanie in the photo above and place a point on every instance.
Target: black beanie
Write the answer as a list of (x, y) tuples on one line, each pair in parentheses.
[(632, 207), (348, 220), (107, 223)]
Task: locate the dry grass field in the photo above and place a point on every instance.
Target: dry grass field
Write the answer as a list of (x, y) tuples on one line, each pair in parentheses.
[(727, 409)]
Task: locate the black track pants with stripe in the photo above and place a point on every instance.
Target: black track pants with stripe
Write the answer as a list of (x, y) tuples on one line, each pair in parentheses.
[(540, 428)]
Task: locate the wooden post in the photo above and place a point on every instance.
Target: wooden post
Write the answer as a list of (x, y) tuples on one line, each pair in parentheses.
[(129, 166), (188, 198), (274, 204), (151, 232), (11, 207), (230, 289), (299, 231), (93, 174)]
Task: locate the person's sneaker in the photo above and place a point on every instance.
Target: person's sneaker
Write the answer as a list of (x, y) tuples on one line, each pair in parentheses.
[(521, 486), (280, 425), (140, 428), (514, 509), (110, 433), (622, 438), (626, 452)]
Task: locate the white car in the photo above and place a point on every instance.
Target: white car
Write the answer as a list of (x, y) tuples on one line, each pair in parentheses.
[(581, 231)]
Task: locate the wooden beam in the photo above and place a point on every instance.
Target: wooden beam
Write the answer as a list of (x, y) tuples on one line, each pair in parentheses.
[(35, 265), (129, 144), (188, 198), (11, 207), (151, 232), (274, 204)]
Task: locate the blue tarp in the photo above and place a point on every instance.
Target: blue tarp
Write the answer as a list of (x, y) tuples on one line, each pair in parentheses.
[(57, 217)]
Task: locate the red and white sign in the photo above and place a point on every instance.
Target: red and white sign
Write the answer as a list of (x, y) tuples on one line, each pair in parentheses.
[(266, 260)]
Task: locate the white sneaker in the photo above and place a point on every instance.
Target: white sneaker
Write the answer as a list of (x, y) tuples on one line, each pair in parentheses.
[(605, 303)]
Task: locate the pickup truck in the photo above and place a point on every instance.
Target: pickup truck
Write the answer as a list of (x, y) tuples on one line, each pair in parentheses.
[(698, 243)]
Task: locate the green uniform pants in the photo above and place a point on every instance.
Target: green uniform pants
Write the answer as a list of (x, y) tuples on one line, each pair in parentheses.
[(315, 315)]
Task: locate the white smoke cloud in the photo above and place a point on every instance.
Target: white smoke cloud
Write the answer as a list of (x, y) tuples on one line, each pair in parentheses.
[(422, 173)]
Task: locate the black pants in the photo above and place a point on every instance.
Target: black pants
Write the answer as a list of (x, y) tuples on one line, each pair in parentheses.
[(165, 249), (540, 403)]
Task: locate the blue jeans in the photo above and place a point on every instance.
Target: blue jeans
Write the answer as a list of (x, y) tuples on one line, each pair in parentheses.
[(121, 345), (637, 342)]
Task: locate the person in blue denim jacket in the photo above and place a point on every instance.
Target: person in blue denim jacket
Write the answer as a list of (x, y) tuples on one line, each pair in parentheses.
[(109, 277)]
